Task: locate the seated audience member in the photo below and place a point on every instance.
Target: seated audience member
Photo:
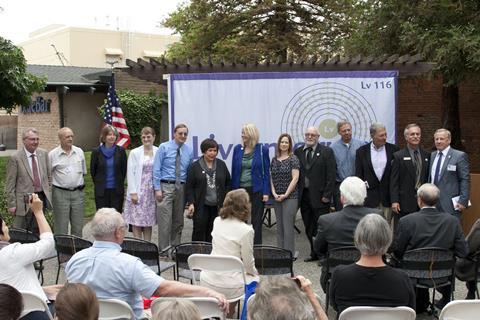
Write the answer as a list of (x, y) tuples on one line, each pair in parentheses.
[(16, 259), (465, 267), (11, 302), (177, 310), (231, 236), (336, 229), (429, 228), (76, 301), (369, 282), (113, 274), (281, 298)]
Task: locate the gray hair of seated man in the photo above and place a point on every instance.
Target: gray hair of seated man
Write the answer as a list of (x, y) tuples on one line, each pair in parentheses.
[(353, 191), (279, 298), (105, 222), (373, 235), (178, 309), (428, 193)]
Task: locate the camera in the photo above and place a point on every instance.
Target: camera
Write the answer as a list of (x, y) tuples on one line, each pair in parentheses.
[(27, 198)]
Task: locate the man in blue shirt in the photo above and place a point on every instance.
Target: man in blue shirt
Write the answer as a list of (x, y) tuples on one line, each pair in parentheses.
[(170, 168), (344, 150), (113, 274)]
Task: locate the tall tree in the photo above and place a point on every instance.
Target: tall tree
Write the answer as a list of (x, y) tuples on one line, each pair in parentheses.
[(16, 85), (446, 32), (249, 30)]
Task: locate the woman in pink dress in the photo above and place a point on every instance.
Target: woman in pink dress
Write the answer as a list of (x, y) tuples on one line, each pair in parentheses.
[(140, 203)]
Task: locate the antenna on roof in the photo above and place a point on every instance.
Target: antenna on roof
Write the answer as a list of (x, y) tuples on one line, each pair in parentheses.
[(60, 55)]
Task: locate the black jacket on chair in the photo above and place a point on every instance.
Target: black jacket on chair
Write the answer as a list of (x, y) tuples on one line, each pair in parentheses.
[(378, 192)]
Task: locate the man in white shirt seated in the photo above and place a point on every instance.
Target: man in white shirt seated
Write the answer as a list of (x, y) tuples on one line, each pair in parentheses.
[(16, 259), (113, 274)]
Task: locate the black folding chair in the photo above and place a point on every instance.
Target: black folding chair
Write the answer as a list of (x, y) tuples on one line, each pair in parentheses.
[(181, 253), (25, 236), (476, 259), (430, 268), (67, 245), (270, 260), (147, 252), (337, 257)]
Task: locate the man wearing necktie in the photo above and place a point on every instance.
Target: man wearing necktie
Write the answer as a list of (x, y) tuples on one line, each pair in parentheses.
[(315, 184), (409, 171), (170, 168), (450, 172), (28, 171)]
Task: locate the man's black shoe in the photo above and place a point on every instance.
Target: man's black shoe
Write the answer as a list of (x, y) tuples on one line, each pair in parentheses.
[(310, 259), (440, 304)]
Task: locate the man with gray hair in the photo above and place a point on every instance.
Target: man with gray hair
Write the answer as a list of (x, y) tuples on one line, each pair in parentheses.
[(68, 168), (28, 171), (113, 274), (373, 165), (450, 173), (336, 229), (315, 184), (279, 298), (344, 150), (409, 172), (429, 228)]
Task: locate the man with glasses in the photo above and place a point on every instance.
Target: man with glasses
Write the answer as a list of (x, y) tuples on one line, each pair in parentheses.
[(170, 168), (316, 183), (28, 171)]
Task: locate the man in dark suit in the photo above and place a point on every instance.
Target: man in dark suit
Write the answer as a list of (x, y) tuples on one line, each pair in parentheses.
[(316, 183), (336, 229), (450, 173), (28, 171), (429, 228), (373, 165), (409, 171)]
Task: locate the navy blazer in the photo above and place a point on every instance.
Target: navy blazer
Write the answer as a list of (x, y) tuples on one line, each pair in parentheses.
[(260, 171), (98, 171)]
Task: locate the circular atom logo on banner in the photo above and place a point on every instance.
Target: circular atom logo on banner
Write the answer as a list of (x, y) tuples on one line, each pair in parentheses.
[(324, 104)]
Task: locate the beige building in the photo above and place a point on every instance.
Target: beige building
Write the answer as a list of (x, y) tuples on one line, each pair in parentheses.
[(83, 47)]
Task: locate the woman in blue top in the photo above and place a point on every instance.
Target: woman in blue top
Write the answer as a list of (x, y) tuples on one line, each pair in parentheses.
[(251, 171), (108, 168)]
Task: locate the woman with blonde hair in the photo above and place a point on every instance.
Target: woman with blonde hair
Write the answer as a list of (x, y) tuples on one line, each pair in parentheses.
[(76, 301), (251, 171), (140, 201), (108, 168), (231, 236)]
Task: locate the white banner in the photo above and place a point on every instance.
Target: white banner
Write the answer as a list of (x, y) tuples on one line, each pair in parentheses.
[(216, 105)]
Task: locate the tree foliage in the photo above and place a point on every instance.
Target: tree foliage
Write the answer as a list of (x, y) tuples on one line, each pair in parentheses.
[(249, 30), (140, 110), (16, 85), (446, 32)]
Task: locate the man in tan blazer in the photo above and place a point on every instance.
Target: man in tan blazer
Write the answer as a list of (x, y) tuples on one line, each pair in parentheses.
[(28, 171)]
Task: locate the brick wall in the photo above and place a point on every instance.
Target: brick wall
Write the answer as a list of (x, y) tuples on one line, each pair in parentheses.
[(420, 100), (46, 123), (125, 81)]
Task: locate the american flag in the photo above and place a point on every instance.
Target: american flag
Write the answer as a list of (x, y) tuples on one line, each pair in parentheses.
[(114, 116)]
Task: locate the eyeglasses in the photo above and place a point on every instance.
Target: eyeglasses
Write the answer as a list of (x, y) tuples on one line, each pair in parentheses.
[(182, 134), (313, 135)]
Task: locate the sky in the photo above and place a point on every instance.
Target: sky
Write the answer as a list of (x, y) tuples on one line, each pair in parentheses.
[(20, 17)]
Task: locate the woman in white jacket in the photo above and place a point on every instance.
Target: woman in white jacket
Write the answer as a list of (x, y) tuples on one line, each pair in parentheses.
[(140, 202)]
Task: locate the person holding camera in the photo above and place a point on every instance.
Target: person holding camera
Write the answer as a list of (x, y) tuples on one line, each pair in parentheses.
[(28, 171), (16, 259)]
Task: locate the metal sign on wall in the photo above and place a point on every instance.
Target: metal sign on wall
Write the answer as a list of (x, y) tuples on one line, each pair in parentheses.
[(39, 105)]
